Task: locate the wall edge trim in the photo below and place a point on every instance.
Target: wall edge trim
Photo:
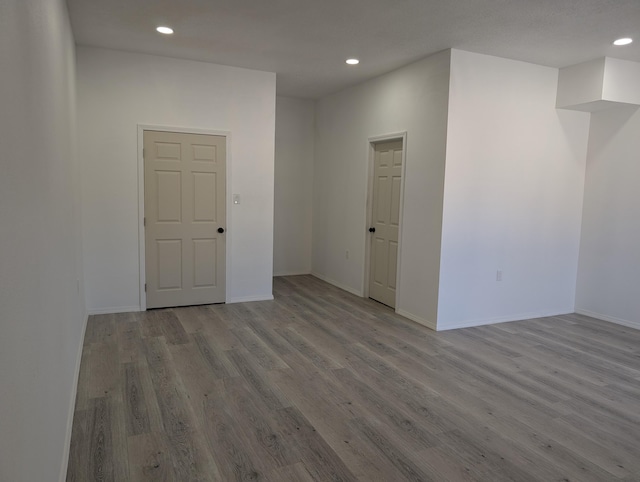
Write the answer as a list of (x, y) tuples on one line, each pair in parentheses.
[(114, 309), (337, 284), (502, 319), (248, 299), (610, 319), (417, 319), (72, 407)]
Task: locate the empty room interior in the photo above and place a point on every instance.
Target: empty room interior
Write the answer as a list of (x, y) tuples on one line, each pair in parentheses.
[(320, 241)]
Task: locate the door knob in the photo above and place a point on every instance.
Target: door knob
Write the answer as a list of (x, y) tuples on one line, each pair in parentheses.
[(221, 230), (372, 230)]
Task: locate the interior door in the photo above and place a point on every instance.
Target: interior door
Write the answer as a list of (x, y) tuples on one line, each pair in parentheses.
[(185, 218), (385, 224)]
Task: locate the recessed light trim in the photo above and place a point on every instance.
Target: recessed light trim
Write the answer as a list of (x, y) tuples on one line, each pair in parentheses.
[(352, 61), (623, 41), (165, 30)]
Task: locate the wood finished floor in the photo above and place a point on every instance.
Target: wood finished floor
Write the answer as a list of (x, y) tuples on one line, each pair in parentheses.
[(320, 385)]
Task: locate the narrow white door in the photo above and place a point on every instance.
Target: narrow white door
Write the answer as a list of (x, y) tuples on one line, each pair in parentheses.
[(185, 218), (385, 222)]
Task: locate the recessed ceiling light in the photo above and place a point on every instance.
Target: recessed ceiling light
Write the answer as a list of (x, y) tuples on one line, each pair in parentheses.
[(623, 41), (165, 30), (353, 61)]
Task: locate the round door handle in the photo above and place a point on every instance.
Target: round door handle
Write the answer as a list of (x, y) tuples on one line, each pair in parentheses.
[(221, 230), (372, 230)]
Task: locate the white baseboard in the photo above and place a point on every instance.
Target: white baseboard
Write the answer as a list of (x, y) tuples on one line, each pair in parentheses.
[(72, 406), (337, 284), (502, 319), (248, 299), (611, 319), (291, 273), (109, 311), (417, 319)]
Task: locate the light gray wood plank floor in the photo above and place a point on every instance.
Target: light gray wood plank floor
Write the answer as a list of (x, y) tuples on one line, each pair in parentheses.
[(320, 385)]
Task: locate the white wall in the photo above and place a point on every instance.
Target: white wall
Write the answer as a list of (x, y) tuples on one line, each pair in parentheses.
[(42, 315), (513, 194), (116, 92), (580, 84), (608, 275), (621, 81), (412, 99), (293, 186), (599, 84)]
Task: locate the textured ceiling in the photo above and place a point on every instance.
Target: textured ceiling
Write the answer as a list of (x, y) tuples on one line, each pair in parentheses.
[(306, 42)]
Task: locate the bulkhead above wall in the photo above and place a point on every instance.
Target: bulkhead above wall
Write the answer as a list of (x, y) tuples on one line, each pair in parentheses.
[(599, 84)]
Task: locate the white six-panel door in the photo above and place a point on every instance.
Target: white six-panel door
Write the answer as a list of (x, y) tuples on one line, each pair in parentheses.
[(185, 210), (387, 177)]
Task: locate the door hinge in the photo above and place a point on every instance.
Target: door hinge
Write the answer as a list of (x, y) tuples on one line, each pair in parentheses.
[(144, 221), (145, 287), (143, 153)]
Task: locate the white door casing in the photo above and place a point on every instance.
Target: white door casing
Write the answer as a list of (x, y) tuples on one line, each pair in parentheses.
[(385, 221), (185, 207)]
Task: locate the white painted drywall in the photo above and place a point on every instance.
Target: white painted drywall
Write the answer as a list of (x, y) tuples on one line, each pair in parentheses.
[(293, 186), (599, 84), (621, 81), (119, 90), (580, 84), (42, 315), (513, 194), (412, 99), (609, 270)]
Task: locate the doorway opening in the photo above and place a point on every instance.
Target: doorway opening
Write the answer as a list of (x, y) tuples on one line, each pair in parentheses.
[(184, 217), (385, 200)]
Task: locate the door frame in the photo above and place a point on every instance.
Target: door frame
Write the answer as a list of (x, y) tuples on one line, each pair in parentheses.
[(141, 239), (371, 144)]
